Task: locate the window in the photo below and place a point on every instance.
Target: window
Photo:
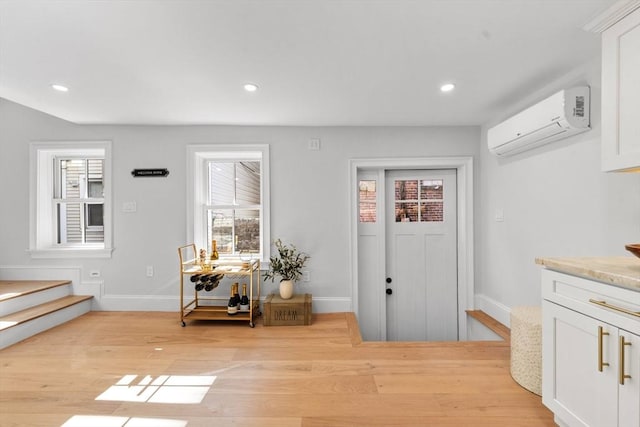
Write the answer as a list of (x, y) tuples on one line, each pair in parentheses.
[(78, 199), (418, 201), (70, 200), (229, 199)]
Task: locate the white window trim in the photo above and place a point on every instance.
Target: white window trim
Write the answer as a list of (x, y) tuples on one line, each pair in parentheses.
[(41, 219), (197, 158)]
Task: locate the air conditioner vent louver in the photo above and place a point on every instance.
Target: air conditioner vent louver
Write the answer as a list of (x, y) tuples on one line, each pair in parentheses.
[(563, 114)]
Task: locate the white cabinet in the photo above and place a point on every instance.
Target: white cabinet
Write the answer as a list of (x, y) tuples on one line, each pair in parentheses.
[(621, 94), (591, 353)]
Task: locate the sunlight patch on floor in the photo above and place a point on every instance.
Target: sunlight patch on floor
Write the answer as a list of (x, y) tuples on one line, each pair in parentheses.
[(173, 389), (111, 421)]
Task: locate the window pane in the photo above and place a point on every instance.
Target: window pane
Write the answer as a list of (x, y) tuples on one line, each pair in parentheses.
[(235, 230), (406, 212), (247, 230), (431, 211), (220, 229), (69, 218), (95, 189), (431, 189), (234, 183), (221, 183), (406, 190), (248, 183), (367, 196), (94, 215), (80, 223), (72, 173)]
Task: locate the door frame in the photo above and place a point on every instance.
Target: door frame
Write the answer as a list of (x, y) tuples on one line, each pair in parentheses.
[(464, 170)]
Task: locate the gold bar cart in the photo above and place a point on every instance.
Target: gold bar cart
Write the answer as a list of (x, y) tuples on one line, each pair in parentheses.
[(215, 308)]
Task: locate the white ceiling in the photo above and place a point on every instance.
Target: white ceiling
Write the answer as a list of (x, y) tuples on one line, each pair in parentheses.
[(317, 62)]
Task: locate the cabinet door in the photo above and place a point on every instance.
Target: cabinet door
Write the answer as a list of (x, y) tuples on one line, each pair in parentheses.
[(621, 94), (629, 392), (573, 387)]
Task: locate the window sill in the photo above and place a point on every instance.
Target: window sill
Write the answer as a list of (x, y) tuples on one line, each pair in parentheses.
[(70, 253)]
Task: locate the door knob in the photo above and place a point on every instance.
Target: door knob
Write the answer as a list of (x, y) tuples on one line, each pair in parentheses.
[(389, 291), (389, 280)]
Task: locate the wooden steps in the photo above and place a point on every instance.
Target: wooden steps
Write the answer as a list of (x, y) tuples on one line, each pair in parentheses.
[(30, 307), (498, 328)]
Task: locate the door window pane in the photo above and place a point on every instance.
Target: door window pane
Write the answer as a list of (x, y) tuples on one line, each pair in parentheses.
[(431, 189), (431, 212), (406, 212), (406, 190), (419, 200), (367, 200)]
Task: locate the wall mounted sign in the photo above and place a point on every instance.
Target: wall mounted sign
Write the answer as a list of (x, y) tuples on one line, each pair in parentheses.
[(137, 173)]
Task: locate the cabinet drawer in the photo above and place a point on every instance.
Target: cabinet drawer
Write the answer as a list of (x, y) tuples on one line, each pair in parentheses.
[(598, 300)]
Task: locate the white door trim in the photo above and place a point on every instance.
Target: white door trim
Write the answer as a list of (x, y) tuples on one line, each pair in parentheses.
[(464, 168)]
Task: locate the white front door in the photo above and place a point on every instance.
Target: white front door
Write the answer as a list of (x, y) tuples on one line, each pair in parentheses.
[(421, 255)]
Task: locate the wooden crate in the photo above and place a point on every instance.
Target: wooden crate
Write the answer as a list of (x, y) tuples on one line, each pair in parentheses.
[(287, 312)]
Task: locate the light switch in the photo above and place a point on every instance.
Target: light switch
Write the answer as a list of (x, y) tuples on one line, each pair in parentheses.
[(129, 207), (499, 215)]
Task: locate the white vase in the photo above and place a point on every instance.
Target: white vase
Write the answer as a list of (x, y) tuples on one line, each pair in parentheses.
[(286, 289)]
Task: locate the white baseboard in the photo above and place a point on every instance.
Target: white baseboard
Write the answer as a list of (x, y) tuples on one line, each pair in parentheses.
[(493, 308), (113, 302), (40, 272), (171, 303), (331, 304)]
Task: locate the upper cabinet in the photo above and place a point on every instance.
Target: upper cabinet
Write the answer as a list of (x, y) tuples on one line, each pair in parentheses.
[(621, 94)]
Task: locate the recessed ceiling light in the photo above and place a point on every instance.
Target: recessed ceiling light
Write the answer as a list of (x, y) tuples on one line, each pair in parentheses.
[(447, 87), (250, 87), (60, 88)]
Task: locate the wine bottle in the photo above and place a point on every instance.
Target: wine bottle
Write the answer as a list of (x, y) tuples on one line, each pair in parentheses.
[(199, 285), (244, 301), (208, 283), (194, 277), (214, 250), (236, 292), (232, 307)]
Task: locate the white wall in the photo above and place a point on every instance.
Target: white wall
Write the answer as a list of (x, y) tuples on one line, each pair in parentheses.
[(556, 202), (309, 198)]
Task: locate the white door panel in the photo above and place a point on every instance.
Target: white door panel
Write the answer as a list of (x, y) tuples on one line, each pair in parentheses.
[(421, 255)]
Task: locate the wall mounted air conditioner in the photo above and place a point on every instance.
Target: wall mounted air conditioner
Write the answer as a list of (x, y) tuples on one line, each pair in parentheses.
[(563, 114)]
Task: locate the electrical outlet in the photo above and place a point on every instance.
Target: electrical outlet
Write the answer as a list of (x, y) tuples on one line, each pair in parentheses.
[(149, 271), (314, 144), (306, 276)]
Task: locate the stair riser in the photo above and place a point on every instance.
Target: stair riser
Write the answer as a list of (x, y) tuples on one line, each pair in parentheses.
[(22, 302), (25, 330)]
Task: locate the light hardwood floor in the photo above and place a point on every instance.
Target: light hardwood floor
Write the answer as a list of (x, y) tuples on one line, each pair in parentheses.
[(318, 375)]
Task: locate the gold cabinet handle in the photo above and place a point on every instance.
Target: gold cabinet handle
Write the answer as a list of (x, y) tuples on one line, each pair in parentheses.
[(616, 308), (601, 334), (623, 376)]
